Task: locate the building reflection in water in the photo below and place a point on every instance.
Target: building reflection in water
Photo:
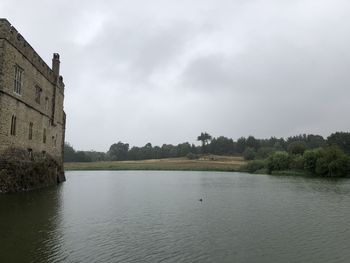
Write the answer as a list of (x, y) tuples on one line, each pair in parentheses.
[(29, 226)]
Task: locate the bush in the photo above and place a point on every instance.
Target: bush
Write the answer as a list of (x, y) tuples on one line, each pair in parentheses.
[(278, 161), (192, 156), (297, 162), (297, 147), (264, 152), (332, 162), (255, 165), (249, 153), (321, 167), (310, 159)]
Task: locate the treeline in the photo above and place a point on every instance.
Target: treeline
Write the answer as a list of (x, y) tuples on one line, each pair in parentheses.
[(273, 154), (330, 158), (329, 161), (122, 152)]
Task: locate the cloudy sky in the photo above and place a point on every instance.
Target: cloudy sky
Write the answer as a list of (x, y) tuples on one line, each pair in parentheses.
[(163, 71)]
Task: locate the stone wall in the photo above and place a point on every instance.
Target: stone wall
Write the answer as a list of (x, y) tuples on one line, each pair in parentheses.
[(45, 116), (21, 171), (10, 33)]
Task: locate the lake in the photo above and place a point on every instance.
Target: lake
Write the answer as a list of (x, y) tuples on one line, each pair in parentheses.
[(156, 216)]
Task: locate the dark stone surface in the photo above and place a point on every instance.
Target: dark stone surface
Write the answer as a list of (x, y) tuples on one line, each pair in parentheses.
[(24, 171)]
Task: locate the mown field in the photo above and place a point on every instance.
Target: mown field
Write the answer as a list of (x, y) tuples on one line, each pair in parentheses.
[(206, 163)]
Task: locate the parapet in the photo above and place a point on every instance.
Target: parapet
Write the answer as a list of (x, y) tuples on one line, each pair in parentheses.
[(10, 33)]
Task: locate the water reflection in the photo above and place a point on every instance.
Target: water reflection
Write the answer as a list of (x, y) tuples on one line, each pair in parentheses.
[(147, 216), (29, 226)]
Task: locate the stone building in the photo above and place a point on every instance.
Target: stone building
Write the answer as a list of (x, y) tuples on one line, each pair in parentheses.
[(32, 119)]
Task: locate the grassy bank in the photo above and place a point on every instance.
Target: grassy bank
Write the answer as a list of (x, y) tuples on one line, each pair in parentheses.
[(207, 163)]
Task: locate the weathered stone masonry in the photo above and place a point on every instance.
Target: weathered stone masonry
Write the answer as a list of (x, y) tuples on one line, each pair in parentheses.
[(32, 120)]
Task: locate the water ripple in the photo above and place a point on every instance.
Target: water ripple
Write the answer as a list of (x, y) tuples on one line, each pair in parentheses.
[(156, 217)]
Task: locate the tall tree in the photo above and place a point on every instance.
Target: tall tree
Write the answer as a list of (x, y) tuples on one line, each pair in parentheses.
[(119, 151), (69, 153), (342, 139), (204, 138)]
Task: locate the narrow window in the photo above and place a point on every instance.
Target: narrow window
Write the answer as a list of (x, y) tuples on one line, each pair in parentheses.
[(44, 136), (46, 103), (38, 92), (30, 136), (18, 81), (54, 140), (13, 125)]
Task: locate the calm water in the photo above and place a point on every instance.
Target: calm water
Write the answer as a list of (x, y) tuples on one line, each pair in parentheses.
[(138, 216)]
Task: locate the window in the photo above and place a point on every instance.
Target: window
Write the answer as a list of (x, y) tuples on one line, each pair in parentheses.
[(13, 125), (30, 153), (44, 136), (18, 82), (38, 92), (54, 140), (46, 103), (30, 136)]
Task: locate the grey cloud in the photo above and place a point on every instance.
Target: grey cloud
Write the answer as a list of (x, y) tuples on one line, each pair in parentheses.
[(163, 71)]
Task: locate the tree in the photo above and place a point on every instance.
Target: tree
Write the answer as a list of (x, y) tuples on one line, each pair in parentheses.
[(278, 161), (168, 151), (183, 149), (204, 138), (147, 151), (241, 144), (96, 156), (333, 162), (297, 147), (297, 162), (135, 153), (264, 152), (221, 145), (315, 141), (252, 142), (118, 151), (80, 156), (310, 159), (342, 139), (69, 153), (249, 153)]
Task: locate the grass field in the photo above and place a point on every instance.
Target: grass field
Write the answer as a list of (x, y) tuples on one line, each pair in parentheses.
[(206, 163)]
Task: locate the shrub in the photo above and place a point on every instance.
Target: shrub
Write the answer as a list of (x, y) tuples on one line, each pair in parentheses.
[(192, 156), (249, 153), (321, 167), (297, 162), (332, 162), (278, 161), (310, 158), (255, 165), (264, 152)]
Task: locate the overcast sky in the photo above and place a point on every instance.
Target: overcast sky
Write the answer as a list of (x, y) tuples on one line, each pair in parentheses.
[(163, 71)]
